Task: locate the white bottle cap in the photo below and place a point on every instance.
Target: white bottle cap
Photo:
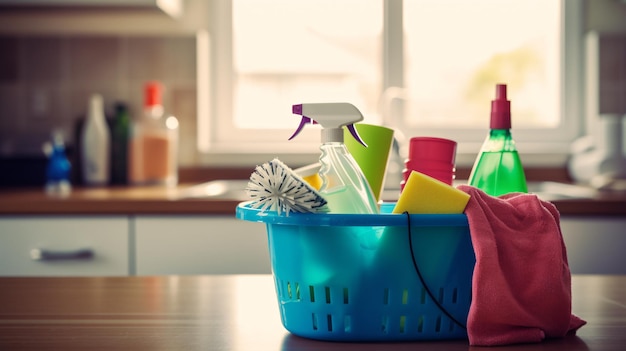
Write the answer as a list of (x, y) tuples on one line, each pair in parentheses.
[(332, 135)]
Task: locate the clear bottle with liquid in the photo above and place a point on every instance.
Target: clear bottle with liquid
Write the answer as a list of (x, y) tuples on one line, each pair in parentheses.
[(345, 190), (344, 186), (498, 168)]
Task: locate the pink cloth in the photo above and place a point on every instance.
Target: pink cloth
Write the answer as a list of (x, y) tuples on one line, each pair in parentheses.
[(521, 288)]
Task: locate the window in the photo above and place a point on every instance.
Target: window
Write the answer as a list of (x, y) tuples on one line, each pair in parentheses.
[(426, 67)]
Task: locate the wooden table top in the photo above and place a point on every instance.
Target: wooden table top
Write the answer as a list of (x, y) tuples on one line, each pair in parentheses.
[(229, 313)]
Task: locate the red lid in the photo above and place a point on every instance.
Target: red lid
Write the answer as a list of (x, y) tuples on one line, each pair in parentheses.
[(500, 109), (152, 94), (432, 148)]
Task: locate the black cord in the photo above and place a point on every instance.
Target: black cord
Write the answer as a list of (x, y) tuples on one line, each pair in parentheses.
[(419, 274)]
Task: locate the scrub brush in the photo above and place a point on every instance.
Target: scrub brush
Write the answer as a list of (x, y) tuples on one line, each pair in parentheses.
[(276, 187)]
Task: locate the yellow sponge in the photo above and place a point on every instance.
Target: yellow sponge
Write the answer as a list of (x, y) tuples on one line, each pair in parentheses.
[(424, 194), (310, 174)]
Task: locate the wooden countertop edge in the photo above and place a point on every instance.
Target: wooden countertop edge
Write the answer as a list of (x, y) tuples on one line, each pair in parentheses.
[(51, 206)]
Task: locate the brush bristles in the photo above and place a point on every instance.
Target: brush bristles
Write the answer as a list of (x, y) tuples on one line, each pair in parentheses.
[(274, 186)]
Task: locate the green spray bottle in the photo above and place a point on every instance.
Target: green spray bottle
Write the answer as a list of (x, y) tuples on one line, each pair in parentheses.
[(498, 169)]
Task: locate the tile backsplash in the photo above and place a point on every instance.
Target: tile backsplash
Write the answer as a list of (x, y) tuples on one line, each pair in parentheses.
[(612, 73), (45, 83)]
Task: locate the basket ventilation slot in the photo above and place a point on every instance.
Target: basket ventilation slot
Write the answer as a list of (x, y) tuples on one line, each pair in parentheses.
[(421, 322), (405, 296), (292, 292), (404, 327), (347, 323), (390, 324), (407, 324)]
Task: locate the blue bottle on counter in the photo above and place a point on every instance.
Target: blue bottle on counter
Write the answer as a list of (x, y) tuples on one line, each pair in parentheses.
[(58, 168)]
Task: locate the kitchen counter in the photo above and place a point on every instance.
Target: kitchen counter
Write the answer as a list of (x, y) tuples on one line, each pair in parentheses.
[(161, 200), (230, 312), (112, 200)]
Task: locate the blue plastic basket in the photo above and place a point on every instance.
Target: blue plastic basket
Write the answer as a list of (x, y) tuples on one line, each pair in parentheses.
[(351, 277)]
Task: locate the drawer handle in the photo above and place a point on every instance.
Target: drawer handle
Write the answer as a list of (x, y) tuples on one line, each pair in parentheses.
[(51, 255)]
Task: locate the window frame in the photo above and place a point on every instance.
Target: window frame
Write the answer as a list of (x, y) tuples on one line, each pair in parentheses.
[(537, 146)]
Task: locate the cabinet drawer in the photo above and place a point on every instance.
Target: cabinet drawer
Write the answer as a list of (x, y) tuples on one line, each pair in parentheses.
[(64, 246), (200, 245), (595, 245)]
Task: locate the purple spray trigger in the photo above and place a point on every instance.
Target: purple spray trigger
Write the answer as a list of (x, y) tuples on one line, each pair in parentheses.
[(303, 121), (355, 134)]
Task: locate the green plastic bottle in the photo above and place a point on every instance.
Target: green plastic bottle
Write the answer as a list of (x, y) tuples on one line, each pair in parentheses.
[(498, 169)]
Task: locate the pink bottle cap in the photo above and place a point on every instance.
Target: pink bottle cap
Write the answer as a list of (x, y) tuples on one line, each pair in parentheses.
[(500, 109)]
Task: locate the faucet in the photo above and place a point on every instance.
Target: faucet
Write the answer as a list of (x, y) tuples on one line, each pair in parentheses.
[(391, 109), (599, 159)]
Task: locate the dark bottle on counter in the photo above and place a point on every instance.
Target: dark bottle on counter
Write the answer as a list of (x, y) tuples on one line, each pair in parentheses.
[(120, 129)]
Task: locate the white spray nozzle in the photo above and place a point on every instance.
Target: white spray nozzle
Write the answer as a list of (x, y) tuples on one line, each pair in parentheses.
[(331, 116)]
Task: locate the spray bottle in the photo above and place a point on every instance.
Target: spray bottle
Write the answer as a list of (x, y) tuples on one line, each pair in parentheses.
[(343, 184), (498, 169)]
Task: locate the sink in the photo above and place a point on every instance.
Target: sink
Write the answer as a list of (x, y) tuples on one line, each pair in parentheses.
[(550, 191), (223, 189)]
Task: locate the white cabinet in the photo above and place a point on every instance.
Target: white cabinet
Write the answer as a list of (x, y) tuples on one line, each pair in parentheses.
[(595, 245), (121, 245), (160, 245), (67, 246), (200, 245), (225, 245)]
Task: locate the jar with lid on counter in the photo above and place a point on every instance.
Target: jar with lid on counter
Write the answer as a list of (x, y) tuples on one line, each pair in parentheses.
[(153, 146)]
